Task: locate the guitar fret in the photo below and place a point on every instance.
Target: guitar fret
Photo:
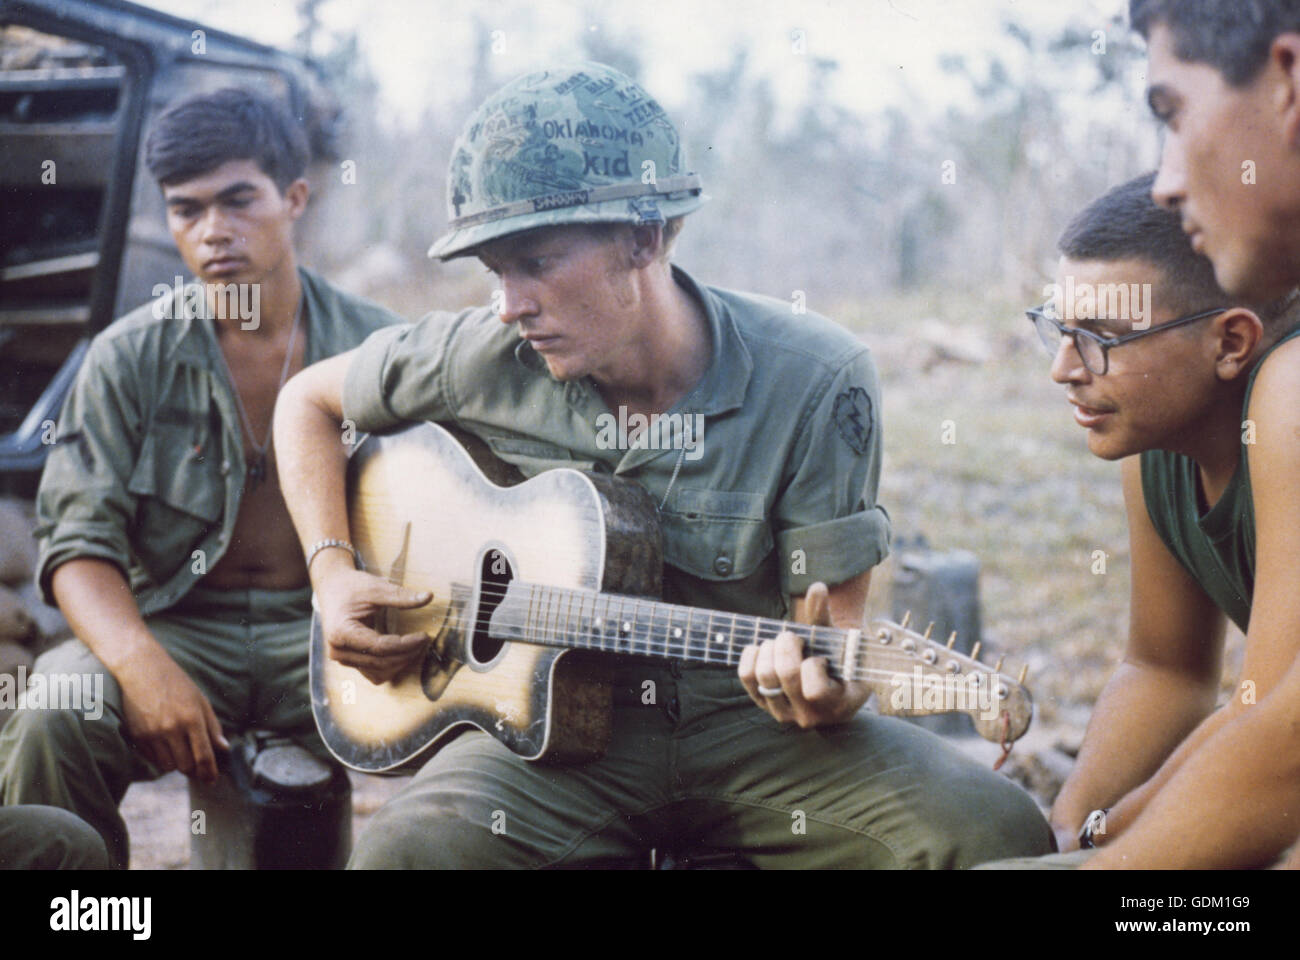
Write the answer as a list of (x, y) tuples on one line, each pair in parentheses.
[(532, 603), (590, 619)]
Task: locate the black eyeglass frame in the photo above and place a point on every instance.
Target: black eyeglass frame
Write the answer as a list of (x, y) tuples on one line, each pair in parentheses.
[(1106, 343)]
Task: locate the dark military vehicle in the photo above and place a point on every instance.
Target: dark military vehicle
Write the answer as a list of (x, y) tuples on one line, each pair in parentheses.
[(83, 237)]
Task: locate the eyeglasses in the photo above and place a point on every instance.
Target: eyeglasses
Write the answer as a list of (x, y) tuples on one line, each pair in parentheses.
[(1093, 348)]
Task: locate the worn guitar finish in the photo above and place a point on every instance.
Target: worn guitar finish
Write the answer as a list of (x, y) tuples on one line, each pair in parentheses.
[(535, 584)]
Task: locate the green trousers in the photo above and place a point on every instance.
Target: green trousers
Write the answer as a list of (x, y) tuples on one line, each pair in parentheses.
[(703, 766), (246, 650), (47, 838)]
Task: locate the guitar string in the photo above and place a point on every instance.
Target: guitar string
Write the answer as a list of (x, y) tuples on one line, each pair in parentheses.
[(832, 648), (666, 620)]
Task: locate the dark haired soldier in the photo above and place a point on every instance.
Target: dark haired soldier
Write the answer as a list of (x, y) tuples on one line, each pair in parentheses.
[(163, 533), (1225, 83), (1197, 393)]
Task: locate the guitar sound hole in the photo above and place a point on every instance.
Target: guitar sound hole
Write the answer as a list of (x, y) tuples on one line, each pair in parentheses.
[(494, 573)]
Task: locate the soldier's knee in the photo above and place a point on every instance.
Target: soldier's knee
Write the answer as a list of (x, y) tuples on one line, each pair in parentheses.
[(989, 820), (37, 727), (49, 838), (400, 837)]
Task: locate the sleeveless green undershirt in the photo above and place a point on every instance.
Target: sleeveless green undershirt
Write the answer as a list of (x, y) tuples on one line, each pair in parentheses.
[(1217, 547)]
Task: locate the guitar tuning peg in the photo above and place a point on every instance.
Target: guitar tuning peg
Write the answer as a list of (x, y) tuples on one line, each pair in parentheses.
[(952, 638), (929, 629), (906, 618), (998, 668), (975, 650), (1024, 672)]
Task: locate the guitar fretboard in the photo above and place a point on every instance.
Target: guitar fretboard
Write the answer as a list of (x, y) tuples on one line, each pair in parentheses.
[(585, 619)]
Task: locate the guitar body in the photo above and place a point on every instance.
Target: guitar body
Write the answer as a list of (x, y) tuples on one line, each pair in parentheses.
[(436, 511)]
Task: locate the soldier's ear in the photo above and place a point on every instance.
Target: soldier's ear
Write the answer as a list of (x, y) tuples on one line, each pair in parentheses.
[(296, 194), (1237, 333), (645, 242), (1285, 53)]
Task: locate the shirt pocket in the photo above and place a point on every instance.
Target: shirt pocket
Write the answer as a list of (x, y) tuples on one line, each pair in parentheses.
[(717, 535), (179, 495), (534, 456)]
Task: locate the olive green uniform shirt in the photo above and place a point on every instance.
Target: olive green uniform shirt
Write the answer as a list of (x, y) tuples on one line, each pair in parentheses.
[(148, 466), (777, 491), (1215, 545)]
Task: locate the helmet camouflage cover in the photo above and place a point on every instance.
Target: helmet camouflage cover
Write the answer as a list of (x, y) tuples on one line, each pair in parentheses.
[(582, 143)]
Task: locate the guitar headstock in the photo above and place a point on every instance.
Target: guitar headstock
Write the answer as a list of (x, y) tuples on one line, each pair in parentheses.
[(913, 675)]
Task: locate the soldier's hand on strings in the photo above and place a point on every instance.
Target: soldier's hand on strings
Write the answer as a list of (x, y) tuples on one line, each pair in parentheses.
[(795, 688), (350, 601)]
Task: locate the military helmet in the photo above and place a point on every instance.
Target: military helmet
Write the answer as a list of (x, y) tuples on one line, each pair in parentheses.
[(581, 143)]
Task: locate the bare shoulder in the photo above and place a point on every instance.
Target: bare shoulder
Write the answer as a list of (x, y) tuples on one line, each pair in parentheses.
[(1274, 415), (1279, 374)]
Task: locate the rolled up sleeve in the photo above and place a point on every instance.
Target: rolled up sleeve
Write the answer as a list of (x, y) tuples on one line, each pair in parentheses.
[(398, 374), (828, 525), (83, 506)]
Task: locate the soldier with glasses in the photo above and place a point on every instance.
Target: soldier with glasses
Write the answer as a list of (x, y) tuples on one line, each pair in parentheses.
[(1191, 403)]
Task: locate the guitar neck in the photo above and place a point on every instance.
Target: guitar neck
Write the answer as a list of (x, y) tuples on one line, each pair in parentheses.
[(588, 620), (910, 674)]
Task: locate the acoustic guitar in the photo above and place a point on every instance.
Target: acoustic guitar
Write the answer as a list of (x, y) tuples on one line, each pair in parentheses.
[(537, 585)]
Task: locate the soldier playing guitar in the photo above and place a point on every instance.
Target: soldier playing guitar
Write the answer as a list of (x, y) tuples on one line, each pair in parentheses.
[(570, 186)]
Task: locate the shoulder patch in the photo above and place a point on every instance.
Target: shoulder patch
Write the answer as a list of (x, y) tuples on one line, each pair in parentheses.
[(853, 418)]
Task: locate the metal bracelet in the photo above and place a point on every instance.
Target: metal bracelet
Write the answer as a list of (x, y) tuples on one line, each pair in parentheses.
[(1093, 826), (320, 545)]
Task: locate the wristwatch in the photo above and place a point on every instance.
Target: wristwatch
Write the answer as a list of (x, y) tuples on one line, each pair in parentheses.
[(1093, 826)]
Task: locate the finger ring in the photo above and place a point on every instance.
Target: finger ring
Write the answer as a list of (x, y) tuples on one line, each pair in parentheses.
[(771, 691)]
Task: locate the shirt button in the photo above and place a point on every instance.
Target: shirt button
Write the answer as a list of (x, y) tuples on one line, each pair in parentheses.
[(722, 565), (225, 467)]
